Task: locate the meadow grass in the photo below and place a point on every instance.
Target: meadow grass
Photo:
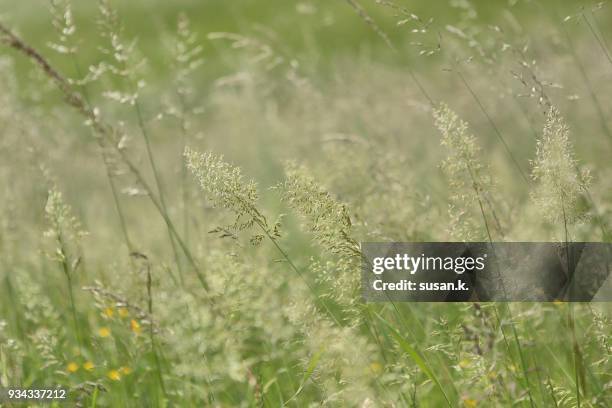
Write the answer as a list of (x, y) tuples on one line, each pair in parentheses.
[(182, 215)]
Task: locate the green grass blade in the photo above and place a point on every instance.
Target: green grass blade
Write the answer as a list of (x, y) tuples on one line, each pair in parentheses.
[(312, 364), (416, 356)]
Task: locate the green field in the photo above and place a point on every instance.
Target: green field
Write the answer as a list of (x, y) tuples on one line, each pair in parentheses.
[(185, 186)]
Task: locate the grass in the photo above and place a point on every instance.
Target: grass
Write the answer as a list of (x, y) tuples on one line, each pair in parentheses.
[(185, 231)]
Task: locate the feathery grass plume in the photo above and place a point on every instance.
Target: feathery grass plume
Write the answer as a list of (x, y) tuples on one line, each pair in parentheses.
[(226, 187), (559, 197), (187, 54), (330, 223), (470, 180), (64, 229), (63, 22), (341, 350), (67, 43), (471, 202), (560, 185), (123, 62), (185, 58), (328, 219)]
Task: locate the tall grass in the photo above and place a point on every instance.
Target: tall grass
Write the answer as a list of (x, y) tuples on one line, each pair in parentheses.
[(243, 287)]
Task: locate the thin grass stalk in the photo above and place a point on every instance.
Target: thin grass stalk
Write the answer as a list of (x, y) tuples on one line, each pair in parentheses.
[(169, 223), (539, 378), (184, 189), (589, 86), (534, 132), (417, 357), (570, 310), (581, 70), (107, 167), (120, 214), (67, 270), (575, 352), (160, 190), (404, 325), (152, 331), (361, 12), (509, 311), (493, 125), (12, 297), (601, 40)]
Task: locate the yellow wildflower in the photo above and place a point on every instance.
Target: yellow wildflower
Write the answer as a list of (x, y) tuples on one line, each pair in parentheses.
[(123, 312), (470, 403), (376, 367), (104, 332), (125, 370), (109, 312), (72, 367), (88, 365), (465, 363), (135, 326), (114, 375)]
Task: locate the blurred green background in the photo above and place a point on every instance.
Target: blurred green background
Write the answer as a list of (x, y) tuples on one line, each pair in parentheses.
[(311, 29)]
